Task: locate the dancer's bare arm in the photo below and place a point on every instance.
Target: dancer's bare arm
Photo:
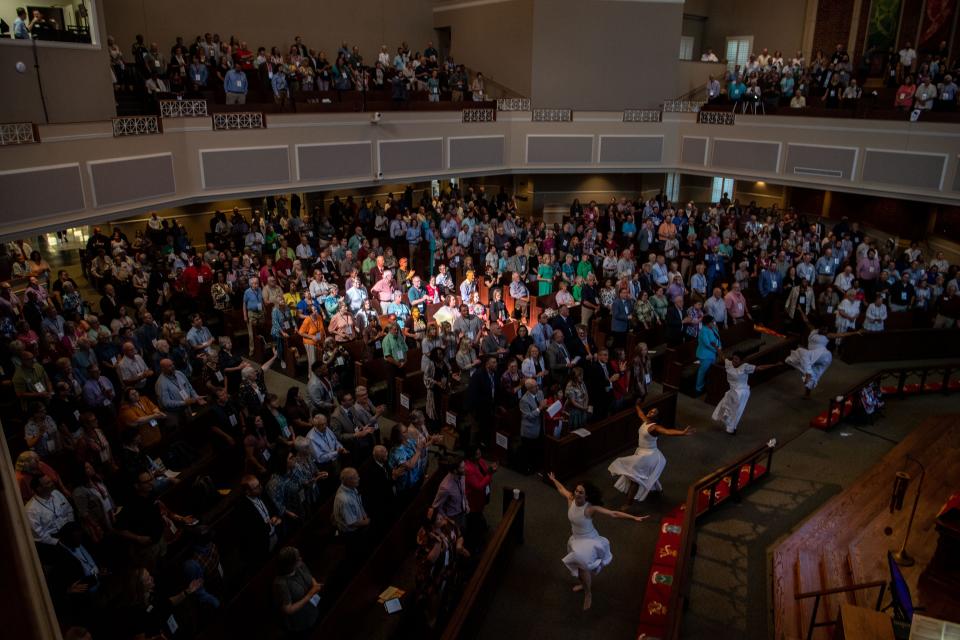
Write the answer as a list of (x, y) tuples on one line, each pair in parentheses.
[(667, 431), (617, 515), (562, 489)]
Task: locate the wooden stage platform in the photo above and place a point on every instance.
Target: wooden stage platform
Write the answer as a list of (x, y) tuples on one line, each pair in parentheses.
[(846, 541)]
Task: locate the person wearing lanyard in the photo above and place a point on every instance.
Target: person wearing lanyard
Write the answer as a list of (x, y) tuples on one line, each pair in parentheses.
[(174, 392), (451, 498), (252, 310), (311, 330), (48, 510), (78, 571), (708, 350)]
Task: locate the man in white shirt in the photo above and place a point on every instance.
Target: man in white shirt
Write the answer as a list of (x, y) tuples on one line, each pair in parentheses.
[(47, 511), (925, 94), (709, 56), (908, 55), (716, 307), (132, 369)]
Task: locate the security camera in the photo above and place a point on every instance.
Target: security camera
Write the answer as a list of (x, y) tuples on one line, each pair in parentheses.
[(375, 118)]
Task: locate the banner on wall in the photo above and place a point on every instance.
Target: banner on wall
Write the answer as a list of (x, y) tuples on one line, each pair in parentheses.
[(937, 23), (883, 24)]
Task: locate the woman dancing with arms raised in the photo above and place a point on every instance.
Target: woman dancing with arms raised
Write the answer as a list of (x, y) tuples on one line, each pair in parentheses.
[(639, 474), (587, 551)]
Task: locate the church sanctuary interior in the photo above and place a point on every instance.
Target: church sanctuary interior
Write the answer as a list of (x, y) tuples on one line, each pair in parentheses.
[(480, 319)]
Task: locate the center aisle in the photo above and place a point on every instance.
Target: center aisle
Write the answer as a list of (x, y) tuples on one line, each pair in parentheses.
[(729, 594)]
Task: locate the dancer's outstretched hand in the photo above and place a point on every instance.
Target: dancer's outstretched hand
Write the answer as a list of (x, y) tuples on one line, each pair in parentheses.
[(640, 518)]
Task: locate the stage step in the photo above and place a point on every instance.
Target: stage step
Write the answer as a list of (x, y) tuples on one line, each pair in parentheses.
[(807, 578)]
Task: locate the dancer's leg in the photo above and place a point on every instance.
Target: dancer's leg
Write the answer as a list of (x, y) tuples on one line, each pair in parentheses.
[(586, 580)]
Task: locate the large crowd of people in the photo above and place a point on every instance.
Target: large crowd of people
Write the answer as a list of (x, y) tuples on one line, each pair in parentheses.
[(131, 377), (231, 67), (832, 81)]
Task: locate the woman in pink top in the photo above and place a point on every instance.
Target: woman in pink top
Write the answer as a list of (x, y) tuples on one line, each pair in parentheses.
[(904, 99), (868, 268)]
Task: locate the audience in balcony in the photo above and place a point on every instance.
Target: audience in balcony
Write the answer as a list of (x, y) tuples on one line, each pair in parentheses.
[(232, 69), (834, 83)]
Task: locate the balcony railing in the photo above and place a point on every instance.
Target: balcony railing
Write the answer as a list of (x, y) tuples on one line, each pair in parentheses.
[(12, 133)]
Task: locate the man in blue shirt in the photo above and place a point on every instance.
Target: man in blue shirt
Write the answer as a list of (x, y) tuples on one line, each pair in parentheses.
[(235, 86), (542, 333), (21, 30), (279, 83), (827, 267), (770, 287), (324, 444), (418, 295), (252, 309)]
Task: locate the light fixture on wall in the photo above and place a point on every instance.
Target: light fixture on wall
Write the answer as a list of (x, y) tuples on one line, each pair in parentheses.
[(761, 183)]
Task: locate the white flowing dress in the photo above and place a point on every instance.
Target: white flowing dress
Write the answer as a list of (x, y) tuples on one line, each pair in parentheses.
[(734, 401), (814, 360), (643, 467), (586, 548)]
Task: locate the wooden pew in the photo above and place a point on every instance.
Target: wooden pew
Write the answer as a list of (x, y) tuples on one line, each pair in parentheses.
[(356, 612), (251, 612), (772, 354), (570, 454), (465, 619), (900, 344)]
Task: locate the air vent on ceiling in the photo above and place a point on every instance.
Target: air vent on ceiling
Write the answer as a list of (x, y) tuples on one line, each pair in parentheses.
[(823, 173)]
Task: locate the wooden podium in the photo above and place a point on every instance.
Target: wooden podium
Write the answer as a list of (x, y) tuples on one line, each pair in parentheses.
[(860, 623), (944, 568)]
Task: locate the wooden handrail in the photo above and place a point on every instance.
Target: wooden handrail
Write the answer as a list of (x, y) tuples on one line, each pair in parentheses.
[(682, 569), (900, 373), (830, 592), (474, 588)]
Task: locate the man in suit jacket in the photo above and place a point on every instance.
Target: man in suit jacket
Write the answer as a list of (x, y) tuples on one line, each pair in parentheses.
[(109, 307), (620, 317), (532, 406), (565, 323), (377, 489), (257, 519), (599, 380), (481, 393), (582, 346), (558, 359), (357, 436), (675, 322)]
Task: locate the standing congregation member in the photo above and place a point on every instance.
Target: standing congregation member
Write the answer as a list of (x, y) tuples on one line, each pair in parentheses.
[(252, 311), (708, 350)]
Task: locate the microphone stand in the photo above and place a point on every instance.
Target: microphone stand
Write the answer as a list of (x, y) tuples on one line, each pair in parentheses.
[(903, 558)]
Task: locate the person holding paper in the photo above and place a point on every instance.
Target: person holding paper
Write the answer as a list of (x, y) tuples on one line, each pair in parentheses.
[(639, 474), (532, 404), (296, 593)]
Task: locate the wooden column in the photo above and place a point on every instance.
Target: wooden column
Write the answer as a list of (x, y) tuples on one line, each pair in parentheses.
[(31, 614)]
